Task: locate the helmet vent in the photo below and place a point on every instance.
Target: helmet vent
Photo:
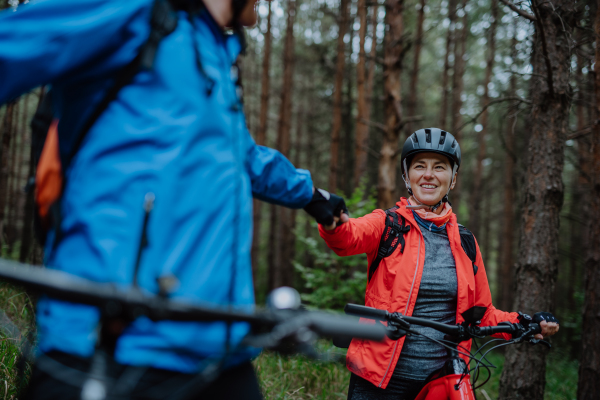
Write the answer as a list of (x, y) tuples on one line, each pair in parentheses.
[(427, 135), (454, 144), (443, 137)]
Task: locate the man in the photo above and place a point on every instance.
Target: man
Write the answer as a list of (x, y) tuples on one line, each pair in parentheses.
[(173, 133)]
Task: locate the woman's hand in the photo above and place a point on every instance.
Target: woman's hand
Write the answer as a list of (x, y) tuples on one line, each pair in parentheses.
[(343, 218), (548, 322), (548, 329)]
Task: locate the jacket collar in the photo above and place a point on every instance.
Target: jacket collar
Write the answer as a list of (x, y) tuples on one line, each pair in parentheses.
[(409, 216)]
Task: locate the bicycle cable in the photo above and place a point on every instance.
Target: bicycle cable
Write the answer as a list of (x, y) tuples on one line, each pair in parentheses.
[(513, 341), (440, 342), (472, 358)]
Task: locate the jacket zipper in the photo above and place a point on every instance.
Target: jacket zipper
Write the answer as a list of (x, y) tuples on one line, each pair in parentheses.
[(405, 310)]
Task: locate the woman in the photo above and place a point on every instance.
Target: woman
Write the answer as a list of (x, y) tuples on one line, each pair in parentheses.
[(430, 277)]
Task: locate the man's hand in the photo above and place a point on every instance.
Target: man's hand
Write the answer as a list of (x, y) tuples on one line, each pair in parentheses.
[(328, 209)]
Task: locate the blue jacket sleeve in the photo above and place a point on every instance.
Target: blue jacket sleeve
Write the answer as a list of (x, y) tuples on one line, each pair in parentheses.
[(275, 179), (67, 41)]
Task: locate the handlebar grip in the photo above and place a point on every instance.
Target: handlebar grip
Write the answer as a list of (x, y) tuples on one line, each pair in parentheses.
[(366, 312), (535, 328), (331, 326), (490, 330)]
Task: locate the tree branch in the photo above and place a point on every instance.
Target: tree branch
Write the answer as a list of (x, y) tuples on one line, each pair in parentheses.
[(503, 99), (374, 124), (400, 125), (577, 134), (516, 9), (524, 73), (406, 120), (372, 152)]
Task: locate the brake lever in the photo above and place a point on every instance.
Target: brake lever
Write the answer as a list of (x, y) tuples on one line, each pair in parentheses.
[(531, 339), (539, 341), (397, 327)]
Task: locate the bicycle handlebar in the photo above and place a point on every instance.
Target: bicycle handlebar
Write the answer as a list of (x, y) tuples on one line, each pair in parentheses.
[(459, 331), (366, 312), (133, 303), (383, 315)]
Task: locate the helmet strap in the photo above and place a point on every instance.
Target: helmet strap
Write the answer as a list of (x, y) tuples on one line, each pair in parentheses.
[(405, 178)]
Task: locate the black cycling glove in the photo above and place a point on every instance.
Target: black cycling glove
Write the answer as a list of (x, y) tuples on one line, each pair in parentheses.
[(324, 206), (544, 316)]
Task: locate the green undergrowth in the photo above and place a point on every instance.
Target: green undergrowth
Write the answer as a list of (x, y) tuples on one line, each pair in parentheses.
[(11, 382), (296, 377), (16, 326)]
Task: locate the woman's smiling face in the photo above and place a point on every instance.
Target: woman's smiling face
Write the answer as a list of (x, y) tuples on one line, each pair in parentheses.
[(430, 176)]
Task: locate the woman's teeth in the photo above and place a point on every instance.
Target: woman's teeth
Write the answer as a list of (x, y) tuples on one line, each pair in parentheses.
[(429, 186)]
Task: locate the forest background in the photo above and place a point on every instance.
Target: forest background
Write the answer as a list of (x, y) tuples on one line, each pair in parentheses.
[(338, 85)]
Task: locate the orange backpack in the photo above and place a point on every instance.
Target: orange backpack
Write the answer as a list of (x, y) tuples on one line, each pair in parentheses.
[(48, 176)]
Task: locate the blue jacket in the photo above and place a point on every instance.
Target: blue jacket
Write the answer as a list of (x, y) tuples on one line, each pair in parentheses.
[(164, 134)]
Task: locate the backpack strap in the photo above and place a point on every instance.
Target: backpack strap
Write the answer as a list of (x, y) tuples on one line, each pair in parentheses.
[(40, 124), (162, 23), (393, 235), (467, 241)]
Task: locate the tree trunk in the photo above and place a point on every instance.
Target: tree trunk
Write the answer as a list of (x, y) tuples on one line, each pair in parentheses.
[(27, 231), (7, 133), (337, 97), (281, 270), (345, 177), (505, 269), (486, 221), (265, 83), (291, 245), (580, 203), (523, 376), (364, 87), (309, 163), (16, 183), (460, 48), (589, 365), (392, 70), (446, 71), (476, 194), (29, 209), (274, 252), (12, 177), (414, 79), (261, 135)]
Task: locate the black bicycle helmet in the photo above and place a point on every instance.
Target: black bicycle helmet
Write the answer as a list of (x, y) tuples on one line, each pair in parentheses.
[(432, 140)]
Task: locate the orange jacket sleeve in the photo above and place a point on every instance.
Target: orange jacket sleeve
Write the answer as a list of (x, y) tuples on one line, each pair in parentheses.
[(357, 236), (492, 316)]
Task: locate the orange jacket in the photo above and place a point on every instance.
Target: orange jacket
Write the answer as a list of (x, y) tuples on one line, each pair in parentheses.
[(395, 285)]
